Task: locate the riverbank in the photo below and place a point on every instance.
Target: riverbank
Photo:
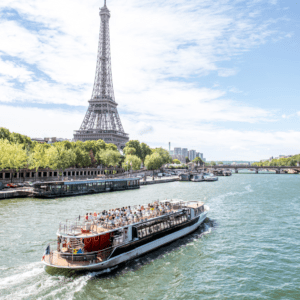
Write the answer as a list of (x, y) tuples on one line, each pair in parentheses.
[(29, 192)]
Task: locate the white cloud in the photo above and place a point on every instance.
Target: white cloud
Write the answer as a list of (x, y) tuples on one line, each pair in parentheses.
[(227, 72), (151, 42)]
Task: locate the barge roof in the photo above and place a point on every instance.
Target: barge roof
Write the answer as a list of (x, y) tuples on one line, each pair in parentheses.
[(86, 181)]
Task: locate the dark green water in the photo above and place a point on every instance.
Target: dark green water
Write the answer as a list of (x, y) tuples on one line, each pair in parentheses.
[(247, 249)]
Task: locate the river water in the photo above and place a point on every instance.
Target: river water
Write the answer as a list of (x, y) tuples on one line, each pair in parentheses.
[(248, 248)]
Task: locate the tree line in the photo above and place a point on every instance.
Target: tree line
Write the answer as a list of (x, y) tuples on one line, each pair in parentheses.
[(280, 162), (18, 151)]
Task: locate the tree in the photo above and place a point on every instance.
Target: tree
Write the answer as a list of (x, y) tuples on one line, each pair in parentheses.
[(129, 151), (164, 154), (39, 157), (15, 138), (220, 163), (136, 145), (132, 161), (110, 157), (153, 161), (213, 163), (83, 159), (176, 161), (60, 158), (198, 160), (112, 147), (187, 160), (145, 150), (13, 156)]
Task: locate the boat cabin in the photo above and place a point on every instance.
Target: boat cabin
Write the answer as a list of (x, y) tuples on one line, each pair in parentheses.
[(65, 188)]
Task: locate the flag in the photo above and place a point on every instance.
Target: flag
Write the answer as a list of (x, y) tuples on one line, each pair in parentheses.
[(47, 250)]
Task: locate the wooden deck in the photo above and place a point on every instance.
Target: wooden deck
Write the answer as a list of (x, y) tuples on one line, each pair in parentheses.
[(56, 260)]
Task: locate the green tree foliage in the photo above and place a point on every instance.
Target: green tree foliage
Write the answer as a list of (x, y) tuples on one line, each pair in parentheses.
[(187, 160), (146, 150), (137, 146), (83, 159), (129, 151), (12, 156), (212, 163), (153, 161), (60, 158), (110, 157), (164, 154), (132, 162), (176, 161), (39, 156), (220, 163), (198, 160), (281, 162), (15, 138)]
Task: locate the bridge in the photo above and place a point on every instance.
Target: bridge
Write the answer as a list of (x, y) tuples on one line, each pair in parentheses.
[(236, 168)]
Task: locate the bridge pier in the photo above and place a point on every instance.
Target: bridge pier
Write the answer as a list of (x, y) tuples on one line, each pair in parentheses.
[(256, 171), (236, 171), (277, 171)]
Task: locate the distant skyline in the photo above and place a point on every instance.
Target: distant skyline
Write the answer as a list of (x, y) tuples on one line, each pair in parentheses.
[(218, 76)]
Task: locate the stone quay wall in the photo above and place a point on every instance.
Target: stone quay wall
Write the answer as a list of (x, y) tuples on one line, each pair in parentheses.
[(7, 176)]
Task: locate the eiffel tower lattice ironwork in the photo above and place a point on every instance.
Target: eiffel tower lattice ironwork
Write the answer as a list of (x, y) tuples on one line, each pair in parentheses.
[(102, 120)]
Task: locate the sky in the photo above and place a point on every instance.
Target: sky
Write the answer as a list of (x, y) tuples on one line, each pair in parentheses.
[(221, 77)]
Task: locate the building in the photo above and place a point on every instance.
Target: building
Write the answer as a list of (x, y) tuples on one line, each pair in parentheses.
[(185, 152), (192, 154), (177, 151), (171, 152), (181, 158), (102, 119), (39, 140)]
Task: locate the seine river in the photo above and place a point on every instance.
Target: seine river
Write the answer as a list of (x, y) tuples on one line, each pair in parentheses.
[(248, 248)]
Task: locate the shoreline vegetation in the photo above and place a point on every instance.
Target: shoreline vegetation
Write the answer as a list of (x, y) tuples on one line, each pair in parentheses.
[(281, 162), (19, 152)]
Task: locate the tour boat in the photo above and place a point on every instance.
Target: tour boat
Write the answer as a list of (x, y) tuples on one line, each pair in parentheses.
[(104, 240)]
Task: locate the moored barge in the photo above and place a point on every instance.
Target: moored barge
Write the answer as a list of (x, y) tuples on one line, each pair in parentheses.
[(56, 189), (104, 240)]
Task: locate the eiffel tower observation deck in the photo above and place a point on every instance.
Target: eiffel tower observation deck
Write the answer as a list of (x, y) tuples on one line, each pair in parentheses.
[(102, 120)]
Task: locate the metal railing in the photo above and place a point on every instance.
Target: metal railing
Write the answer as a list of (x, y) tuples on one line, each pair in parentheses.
[(68, 259), (81, 225)]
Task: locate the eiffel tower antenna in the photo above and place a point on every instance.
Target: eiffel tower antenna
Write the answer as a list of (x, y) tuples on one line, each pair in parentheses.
[(102, 119)]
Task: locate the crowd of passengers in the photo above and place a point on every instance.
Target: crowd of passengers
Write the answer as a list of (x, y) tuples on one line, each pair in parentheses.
[(127, 215)]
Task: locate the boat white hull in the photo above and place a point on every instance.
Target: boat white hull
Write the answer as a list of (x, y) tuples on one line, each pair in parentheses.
[(139, 250)]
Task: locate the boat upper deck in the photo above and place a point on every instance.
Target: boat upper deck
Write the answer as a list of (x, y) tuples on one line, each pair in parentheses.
[(93, 224)]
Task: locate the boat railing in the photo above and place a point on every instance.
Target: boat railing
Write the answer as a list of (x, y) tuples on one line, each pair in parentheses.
[(81, 225), (57, 258)]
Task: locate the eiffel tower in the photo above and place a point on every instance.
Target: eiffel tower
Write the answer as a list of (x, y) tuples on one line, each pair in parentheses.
[(102, 119)]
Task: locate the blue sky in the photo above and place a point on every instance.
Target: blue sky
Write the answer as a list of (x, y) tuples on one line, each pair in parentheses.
[(221, 77)]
